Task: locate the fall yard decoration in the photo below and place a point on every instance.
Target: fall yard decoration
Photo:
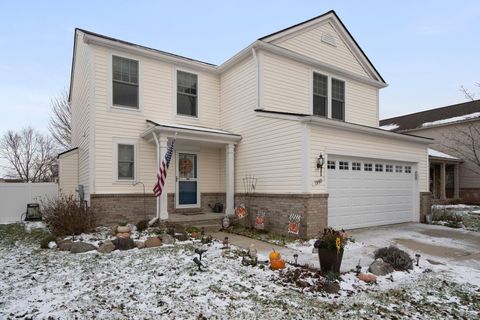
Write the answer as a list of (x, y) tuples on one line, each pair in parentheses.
[(330, 249), (276, 261)]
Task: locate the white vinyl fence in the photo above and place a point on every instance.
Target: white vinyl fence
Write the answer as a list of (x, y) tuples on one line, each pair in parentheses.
[(14, 198)]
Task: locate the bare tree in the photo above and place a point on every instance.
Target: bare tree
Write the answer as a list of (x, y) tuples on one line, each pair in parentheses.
[(29, 155), (467, 93), (464, 142), (60, 125)]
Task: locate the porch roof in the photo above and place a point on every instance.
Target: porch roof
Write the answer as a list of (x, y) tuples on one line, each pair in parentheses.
[(194, 133), (438, 155)]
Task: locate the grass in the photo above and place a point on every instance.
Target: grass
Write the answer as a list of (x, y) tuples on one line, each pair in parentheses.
[(10, 234)]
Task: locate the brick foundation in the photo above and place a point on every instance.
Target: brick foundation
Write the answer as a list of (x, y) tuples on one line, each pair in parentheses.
[(313, 208), (425, 204), (116, 208)]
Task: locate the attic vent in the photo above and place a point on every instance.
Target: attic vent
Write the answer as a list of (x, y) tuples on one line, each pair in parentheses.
[(328, 38)]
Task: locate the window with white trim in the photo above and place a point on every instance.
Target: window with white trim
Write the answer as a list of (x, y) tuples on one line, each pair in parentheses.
[(338, 99), (187, 98), (389, 168), (125, 161), (398, 169), (331, 164), (408, 169), (320, 94), (367, 167), (343, 165), (125, 82), (378, 167), (356, 166)]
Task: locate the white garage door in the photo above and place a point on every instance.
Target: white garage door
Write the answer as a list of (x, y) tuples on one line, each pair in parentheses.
[(369, 192)]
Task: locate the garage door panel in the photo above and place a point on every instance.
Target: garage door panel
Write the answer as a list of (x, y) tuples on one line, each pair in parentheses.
[(368, 198)]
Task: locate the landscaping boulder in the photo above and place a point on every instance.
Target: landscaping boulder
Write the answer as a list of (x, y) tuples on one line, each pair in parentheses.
[(123, 235), (123, 243), (380, 268), (153, 242), (139, 244), (106, 247), (123, 229), (64, 245), (371, 278), (79, 247), (167, 239), (182, 236)]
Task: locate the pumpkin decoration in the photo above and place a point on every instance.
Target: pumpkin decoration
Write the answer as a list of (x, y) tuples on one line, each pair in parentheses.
[(277, 264), (241, 211), (274, 255)]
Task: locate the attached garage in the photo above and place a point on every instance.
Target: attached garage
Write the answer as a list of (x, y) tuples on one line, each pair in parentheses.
[(367, 192)]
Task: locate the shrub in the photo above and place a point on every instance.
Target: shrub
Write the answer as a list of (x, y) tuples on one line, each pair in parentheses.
[(66, 216), (46, 240), (192, 229), (142, 225), (398, 259)]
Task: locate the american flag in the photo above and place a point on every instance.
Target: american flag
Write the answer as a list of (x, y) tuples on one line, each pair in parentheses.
[(162, 173)]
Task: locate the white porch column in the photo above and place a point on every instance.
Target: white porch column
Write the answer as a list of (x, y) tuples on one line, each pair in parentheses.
[(229, 185), (456, 176), (162, 201), (443, 194)]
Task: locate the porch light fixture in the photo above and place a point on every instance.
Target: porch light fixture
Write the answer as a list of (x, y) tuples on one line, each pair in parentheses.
[(320, 163)]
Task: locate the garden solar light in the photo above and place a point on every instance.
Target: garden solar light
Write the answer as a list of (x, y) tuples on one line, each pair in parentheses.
[(225, 243), (200, 252), (358, 268), (199, 264), (295, 256), (418, 258)]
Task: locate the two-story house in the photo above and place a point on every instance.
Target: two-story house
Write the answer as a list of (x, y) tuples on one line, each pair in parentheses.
[(297, 109)]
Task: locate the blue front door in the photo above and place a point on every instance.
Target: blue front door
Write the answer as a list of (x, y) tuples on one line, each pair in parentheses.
[(187, 180)]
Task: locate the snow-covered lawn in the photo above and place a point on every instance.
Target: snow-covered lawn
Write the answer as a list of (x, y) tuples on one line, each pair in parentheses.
[(164, 283)]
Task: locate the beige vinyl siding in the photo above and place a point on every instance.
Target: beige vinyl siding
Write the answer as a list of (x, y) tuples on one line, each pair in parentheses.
[(68, 172), (468, 178), (287, 87), (157, 93), (309, 43), (82, 111), (270, 149), (341, 142)]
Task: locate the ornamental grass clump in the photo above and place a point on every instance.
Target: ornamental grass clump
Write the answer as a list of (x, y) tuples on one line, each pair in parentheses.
[(398, 259), (332, 239)]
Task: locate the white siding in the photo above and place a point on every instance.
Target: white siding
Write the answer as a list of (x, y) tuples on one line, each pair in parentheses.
[(68, 172), (309, 43), (270, 149), (287, 87), (82, 111)]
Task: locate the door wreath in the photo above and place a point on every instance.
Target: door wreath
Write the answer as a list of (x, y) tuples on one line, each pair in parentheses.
[(186, 166)]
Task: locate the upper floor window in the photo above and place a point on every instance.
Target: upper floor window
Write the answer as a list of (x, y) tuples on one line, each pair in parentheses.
[(338, 99), (126, 161), (125, 82), (320, 94), (187, 98)]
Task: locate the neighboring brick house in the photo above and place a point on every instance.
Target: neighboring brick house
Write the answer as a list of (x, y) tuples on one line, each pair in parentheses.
[(297, 109), (454, 172)]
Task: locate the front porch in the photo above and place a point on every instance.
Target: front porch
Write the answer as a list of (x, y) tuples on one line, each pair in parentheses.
[(444, 177)]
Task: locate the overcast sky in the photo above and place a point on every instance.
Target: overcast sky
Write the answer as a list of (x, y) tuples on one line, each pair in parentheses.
[(425, 50)]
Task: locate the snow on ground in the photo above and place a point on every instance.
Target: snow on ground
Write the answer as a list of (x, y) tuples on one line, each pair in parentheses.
[(451, 120), (164, 283)]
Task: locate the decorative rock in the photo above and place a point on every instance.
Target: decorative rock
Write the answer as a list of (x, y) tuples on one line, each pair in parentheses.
[(123, 243), (167, 239), (153, 242), (65, 245), (123, 229), (380, 268), (106, 247), (79, 247), (123, 235), (367, 277), (139, 244)]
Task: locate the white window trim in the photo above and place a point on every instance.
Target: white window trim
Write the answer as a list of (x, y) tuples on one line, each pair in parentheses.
[(174, 99), (177, 181), (329, 92), (119, 108), (116, 142)]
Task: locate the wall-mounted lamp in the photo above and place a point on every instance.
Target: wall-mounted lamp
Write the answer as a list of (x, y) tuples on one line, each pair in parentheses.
[(320, 163), (416, 175)]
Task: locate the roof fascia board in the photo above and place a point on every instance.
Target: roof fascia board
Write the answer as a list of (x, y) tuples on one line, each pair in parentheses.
[(317, 64)]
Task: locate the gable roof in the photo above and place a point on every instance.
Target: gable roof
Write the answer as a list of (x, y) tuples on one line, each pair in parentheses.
[(456, 113), (360, 54)]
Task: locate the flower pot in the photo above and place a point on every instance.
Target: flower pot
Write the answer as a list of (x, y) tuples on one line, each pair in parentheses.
[(330, 260)]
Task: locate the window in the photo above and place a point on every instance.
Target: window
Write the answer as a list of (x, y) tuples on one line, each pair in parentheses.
[(398, 169), (320, 94), (331, 164), (356, 166), (378, 167), (408, 169), (126, 162), (389, 168), (343, 165), (367, 167), (125, 82), (187, 98), (338, 99)]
